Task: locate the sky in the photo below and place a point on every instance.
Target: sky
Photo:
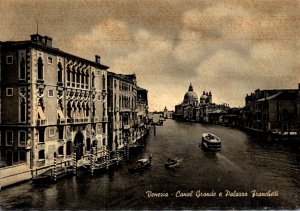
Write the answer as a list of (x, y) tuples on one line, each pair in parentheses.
[(230, 48)]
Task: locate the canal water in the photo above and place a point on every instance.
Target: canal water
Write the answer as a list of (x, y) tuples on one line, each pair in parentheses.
[(204, 180)]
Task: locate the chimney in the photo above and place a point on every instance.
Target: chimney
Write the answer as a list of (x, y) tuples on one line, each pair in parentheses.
[(97, 59)]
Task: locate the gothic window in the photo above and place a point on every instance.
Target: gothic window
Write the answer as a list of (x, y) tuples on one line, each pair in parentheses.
[(93, 79), (61, 132), (68, 74), (73, 77), (22, 110), (40, 69), (88, 144), (87, 80), (103, 81), (103, 142), (59, 72), (69, 148), (78, 77), (82, 79), (42, 154), (22, 69), (69, 110), (22, 138), (9, 137), (41, 132), (60, 151), (87, 110)]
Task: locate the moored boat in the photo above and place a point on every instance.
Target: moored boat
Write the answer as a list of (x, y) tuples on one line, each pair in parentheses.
[(211, 141)]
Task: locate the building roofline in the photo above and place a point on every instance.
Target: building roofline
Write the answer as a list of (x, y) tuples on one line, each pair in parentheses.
[(123, 77), (28, 43)]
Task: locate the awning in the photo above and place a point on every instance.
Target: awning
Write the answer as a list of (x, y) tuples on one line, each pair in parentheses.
[(41, 114)]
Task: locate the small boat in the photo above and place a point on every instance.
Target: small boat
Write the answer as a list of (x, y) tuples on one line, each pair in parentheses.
[(44, 178), (285, 135), (141, 165), (171, 163), (211, 141)]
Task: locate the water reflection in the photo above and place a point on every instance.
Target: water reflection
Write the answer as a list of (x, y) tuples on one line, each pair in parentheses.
[(245, 162)]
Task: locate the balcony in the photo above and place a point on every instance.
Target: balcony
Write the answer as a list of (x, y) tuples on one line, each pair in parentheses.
[(105, 119), (41, 122), (126, 127), (116, 109), (70, 120), (95, 119), (61, 121)]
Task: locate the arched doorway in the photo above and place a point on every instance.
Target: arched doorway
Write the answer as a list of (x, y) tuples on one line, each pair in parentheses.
[(78, 143)]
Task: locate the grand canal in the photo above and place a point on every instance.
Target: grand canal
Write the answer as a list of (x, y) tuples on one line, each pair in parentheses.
[(244, 165)]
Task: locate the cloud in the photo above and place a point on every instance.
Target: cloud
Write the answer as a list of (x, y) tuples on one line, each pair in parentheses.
[(229, 47)]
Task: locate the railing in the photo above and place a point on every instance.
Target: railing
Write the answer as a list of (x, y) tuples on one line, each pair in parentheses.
[(95, 119), (61, 121), (70, 120), (41, 122), (126, 127)]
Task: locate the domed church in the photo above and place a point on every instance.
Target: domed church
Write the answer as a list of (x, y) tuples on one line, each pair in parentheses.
[(190, 97), (192, 109)]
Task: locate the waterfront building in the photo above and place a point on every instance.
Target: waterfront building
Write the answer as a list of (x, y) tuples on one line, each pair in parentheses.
[(52, 104), (142, 126), (167, 114), (271, 110), (128, 111)]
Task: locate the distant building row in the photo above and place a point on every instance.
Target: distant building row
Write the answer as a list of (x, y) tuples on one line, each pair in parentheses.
[(274, 111)]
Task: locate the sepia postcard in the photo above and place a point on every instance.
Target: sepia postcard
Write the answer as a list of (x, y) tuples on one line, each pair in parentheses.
[(150, 105)]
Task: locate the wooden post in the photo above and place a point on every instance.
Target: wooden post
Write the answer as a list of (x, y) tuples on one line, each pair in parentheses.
[(92, 159), (55, 167), (74, 162)]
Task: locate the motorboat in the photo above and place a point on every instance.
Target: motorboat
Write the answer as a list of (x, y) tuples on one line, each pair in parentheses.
[(211, 141), (141, 165), (171, 163)]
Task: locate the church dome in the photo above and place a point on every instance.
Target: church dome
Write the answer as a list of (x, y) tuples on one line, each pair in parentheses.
[(190, 96), (203, 97)]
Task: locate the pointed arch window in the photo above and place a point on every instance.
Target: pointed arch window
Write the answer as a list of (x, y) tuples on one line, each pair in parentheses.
[(40, 69), (22, 110), (69, 110), (93, 79), (103, 82), (42, 154), (59, 72), (22, 69), (68, 75), (73, 77), (78, 76), (69, 148), (87, 80), (82, 79)]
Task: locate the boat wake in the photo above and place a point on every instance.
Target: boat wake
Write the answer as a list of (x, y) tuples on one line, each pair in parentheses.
[(178, 162)]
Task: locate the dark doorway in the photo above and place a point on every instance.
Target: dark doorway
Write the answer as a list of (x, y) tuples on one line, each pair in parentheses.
[(9, 158), (78, 142)]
